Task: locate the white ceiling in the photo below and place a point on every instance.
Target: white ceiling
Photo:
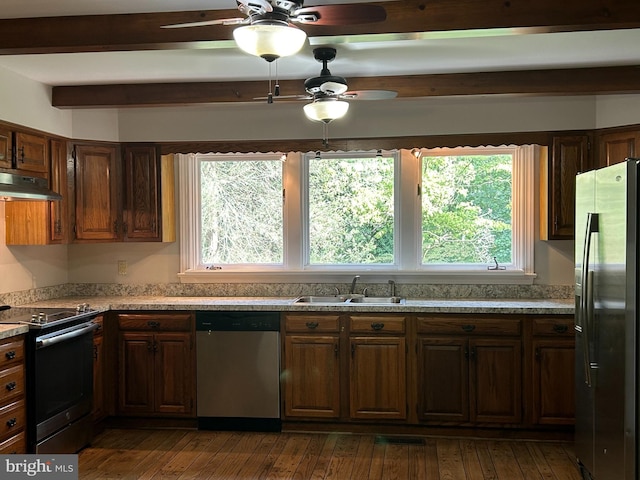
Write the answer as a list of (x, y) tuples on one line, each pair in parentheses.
[(370, 55)]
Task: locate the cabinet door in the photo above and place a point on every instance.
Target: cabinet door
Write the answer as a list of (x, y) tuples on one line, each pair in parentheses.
[(96, 187), (615, 147), (58, 221), (142, 206), (443, 379), (553, 382), (312, 380), (31, 153), (495, 381), (569, 156), (172, 373), (378, 385), (6, 147), (136, 382)]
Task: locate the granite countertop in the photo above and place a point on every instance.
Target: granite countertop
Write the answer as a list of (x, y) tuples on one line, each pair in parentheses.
[(11, 330), (287, 304)]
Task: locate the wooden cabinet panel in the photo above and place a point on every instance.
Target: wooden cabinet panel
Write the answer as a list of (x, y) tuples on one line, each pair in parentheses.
[(569, 155), (312, 323), (377, 324), (142, 207), (312, 379), (377, 377), (13, 419), (96, 192), (553, 382), (470, 325), (58, 211), (12, 393), (155, 368), (15, 444), (136, 394), (496, 380), (443, 380), (615, 147), (11, 352), (173, 373), (32, 153), (6, 147)]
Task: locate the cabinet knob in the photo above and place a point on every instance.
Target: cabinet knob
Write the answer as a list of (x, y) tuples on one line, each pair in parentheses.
[(560, 328), (153, 324), (468, 328), (312, 325), (10, 355), (11, 386), (12, 422), (377, 326)]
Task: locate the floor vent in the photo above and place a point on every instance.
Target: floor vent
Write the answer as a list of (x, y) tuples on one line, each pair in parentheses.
[(399, 440)]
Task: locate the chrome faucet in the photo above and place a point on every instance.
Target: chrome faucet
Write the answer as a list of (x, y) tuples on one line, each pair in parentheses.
[(352, 290), (392, 288)]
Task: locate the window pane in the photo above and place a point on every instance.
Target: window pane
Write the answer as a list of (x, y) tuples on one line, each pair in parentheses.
[(466, 209), (241, 212), (351, 211)]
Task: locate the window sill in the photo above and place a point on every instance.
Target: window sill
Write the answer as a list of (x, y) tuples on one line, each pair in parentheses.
[(460, 277)]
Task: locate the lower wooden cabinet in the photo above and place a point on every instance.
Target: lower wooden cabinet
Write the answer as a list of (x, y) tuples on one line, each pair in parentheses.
[(12, 396), (553, 371), (99, 401), (464, 379), (156, 368)]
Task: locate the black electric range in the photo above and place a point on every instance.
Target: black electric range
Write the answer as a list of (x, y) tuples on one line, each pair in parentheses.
[(38, 318)]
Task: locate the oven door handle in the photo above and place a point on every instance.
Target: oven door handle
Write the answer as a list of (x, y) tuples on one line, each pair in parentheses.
[(66, 334)]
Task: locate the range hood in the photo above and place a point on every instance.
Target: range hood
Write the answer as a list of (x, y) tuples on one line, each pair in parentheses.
[(21, 187)]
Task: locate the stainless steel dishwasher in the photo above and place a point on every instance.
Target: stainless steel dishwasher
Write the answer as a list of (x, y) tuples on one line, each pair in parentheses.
[(238, 370)]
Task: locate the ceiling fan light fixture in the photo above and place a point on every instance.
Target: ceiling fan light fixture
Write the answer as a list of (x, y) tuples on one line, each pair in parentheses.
[(269, 40), (326, 109)]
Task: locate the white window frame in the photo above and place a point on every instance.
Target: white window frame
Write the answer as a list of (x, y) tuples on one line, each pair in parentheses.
[(407, 218)]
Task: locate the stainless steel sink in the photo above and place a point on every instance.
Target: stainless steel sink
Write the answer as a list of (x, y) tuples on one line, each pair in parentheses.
[(349, 300), (377, 300), (322, 299)]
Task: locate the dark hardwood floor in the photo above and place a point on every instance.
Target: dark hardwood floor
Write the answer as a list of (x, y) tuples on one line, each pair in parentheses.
[(191, 454)]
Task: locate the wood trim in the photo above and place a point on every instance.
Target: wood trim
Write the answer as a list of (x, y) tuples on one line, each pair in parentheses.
[(93, 33), (578, 81)]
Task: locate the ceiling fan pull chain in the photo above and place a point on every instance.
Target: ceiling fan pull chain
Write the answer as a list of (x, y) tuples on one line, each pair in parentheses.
[(270, 94), (276, 90), (325, 134)]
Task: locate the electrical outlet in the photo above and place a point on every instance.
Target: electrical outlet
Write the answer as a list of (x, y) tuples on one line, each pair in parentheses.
[(122, 267)]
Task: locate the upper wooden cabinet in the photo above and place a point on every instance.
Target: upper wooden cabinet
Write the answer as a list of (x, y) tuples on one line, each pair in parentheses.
[(128, 200), (42, 222), (31, 151), (96, 184), (6, 147), (615, 147), (569, 155), (148, 197)]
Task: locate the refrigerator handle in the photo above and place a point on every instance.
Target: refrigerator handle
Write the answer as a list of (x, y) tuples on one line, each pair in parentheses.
[(585, 308)]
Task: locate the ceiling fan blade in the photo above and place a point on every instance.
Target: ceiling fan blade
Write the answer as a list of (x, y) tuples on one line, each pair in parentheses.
[(205, 23), (370, 95), (352, 14), (286, 97)]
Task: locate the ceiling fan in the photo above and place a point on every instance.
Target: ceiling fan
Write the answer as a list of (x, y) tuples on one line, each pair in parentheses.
[(268, 29)]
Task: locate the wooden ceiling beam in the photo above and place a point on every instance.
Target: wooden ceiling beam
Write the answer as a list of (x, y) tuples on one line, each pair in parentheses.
[(580, 81), (128, 32)]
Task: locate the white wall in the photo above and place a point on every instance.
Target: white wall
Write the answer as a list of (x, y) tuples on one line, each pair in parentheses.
[(426, 116), (617, 110)]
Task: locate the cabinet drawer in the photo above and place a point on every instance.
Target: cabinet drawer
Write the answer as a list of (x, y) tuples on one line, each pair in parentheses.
[(377, 324), (11, 352), (312, 323), (554, 326), (11, 383), (471, 325), (12, 419), (15, 444), (155, 323)]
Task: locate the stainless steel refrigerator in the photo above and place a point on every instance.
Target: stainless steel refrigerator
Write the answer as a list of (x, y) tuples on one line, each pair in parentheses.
[(606, 248)]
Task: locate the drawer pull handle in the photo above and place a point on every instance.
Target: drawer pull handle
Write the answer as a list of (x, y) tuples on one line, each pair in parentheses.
[(11, 386), (312, 325), (560, 328), (468, 328), (12, 422), (377, 326), (152, 324), (10, 355)]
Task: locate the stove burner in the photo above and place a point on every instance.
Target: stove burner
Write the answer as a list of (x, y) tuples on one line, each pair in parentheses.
[(44, 317)]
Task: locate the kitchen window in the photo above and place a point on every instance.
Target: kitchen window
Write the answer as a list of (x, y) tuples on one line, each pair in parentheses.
[(459, 215)]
